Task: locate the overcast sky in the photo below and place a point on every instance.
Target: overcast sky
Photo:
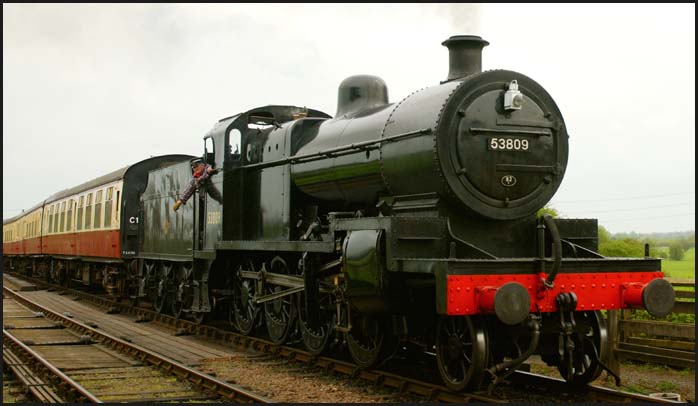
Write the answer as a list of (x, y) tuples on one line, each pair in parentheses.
[(89, 88)]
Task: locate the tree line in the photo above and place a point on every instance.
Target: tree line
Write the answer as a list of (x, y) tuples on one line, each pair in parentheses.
[(633, 244), (614, 245)]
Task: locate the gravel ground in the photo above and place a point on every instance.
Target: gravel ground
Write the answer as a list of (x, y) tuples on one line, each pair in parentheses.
[(639, 378), (12, 391), (293, 382)]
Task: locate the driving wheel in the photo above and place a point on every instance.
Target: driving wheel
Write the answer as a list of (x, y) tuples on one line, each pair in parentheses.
[(244, 311), (279, 314), (316, 330)]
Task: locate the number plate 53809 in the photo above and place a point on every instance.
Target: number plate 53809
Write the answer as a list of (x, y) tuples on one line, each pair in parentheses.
[(507, 144)]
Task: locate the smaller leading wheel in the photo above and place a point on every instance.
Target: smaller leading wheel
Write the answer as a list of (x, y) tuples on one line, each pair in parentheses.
[(461, 352), (591, 343)]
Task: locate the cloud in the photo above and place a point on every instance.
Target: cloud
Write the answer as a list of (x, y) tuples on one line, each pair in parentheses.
[(88, 88)]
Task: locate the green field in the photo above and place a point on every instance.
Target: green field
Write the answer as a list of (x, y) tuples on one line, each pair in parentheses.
[(684, 269)]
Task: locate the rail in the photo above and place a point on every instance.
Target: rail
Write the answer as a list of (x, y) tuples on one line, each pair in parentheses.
[(222, 389), (40, 390), (432, 392)]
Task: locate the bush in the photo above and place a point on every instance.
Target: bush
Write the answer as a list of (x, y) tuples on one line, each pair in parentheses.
[(604, 235), (639, 314), (547, 210), (676, 251), (658, 253), (627, 247)]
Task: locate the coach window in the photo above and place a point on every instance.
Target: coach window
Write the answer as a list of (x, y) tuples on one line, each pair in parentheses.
[(62, 228), (107, 207), (117, 204), (88, 212), (56, 215), (98, 209), (54, 211), (69, 225), (81, 202), (50, 225), (234, 144)]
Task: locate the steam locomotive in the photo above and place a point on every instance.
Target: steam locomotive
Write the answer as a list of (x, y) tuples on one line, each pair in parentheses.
[(391, 223)]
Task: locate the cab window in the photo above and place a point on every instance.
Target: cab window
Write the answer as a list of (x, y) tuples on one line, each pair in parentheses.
[(209, 153), (234, 144)]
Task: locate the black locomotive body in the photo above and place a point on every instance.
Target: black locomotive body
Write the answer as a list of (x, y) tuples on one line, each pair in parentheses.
[(406, 222), (394, 223)]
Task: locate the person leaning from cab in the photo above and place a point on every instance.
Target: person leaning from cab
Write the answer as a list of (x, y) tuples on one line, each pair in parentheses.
[(200, 178)]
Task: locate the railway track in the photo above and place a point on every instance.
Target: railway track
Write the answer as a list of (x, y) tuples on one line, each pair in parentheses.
[(429, 391), (49, 351), (26, 378)]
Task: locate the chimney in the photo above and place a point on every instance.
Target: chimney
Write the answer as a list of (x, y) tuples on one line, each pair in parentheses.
[(464, 55)]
